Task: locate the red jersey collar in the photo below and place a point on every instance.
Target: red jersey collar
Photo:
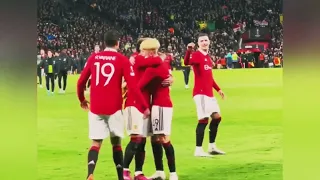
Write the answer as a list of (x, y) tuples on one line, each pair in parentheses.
[(203, 52)]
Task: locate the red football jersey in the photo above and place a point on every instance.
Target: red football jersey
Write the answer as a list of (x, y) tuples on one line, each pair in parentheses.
[(154, 76), (134, 54), (141, 63), (202, 68), (168, 60), (107, 68), (125, 89)]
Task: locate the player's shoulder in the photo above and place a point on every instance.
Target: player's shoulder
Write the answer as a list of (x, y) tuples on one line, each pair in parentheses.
[(135, 54), (197, 52), (92, 55), (139, 57), (108, 55)]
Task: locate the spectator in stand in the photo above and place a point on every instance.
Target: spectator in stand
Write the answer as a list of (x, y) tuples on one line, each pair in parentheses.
[(78, 24)]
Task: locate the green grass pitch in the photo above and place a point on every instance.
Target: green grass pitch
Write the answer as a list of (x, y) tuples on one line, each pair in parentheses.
[(250, 132)]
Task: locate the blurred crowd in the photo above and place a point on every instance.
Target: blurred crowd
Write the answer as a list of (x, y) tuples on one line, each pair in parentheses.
[(78, 25)]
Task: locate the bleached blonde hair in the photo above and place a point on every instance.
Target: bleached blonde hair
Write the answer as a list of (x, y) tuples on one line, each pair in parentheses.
[(150, 44)]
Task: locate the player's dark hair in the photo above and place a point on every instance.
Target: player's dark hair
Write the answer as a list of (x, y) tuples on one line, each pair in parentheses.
[(202, 34), (111, 38), (138, 44)]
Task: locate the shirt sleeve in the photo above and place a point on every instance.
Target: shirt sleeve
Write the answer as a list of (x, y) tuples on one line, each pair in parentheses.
[(215, 85), (194, 59), (187, 57), (147, 62), (130, 78), (147, 77)]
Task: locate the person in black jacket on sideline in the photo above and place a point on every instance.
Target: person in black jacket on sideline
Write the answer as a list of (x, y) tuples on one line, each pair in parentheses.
[(56, 58), (39, 70), (65, 63), (50, 69), (84, 57)]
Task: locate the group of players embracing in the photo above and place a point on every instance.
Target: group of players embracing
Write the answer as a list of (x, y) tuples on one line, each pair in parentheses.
[(147, 104)]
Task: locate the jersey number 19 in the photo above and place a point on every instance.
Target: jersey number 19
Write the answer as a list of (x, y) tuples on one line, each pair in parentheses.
[(101, 70)]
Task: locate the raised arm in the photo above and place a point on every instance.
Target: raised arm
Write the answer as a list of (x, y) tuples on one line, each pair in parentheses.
[(189, 51)]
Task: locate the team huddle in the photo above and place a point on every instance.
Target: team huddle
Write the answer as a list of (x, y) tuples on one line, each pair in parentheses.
[(134, 94)]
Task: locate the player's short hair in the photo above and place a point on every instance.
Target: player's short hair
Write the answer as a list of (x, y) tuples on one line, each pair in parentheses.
[(140, 40), (150, 44), (202, 34), (111, 38)]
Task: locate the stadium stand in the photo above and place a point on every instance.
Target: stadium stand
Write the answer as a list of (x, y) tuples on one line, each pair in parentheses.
[(231, 25)]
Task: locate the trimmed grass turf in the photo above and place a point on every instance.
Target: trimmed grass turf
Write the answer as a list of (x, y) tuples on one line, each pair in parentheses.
[(250, 132)]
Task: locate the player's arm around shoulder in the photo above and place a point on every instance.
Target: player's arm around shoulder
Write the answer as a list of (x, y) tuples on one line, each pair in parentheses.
[(142, 61), (130, 78), (149, 74)]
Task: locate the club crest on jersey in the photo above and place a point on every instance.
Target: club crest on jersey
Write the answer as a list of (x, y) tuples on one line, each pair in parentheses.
[(205, 59)]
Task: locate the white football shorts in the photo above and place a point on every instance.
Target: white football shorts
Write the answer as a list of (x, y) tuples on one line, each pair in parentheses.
[(206, 106), (103, 126), (135, 124), (161, 120)]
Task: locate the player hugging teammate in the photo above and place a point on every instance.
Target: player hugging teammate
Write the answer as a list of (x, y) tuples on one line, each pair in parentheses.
[(107, 69), (154, 80)]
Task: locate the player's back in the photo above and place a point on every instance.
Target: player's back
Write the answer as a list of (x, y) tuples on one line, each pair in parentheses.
[(160, 93), (202, 67), (139, 71), (106, 80)]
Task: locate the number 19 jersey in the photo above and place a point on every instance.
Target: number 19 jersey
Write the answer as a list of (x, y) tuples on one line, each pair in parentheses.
[(107, 68)]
